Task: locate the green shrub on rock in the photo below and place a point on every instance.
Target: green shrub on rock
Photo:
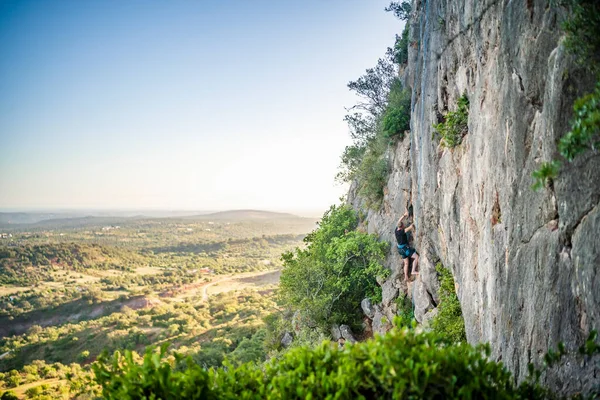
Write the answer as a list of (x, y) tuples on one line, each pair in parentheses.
[(396, 118), (455, 124), (449, 321), (582, 40), (400, 50), (372, 175), (585, 127)]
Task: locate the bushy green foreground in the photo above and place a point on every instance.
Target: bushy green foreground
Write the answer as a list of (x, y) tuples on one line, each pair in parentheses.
[(400, 365)]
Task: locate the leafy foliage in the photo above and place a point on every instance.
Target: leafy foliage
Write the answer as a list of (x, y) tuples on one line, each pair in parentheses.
[(9, 395), (582, 27), (334, 272), (455, 124), (400, 9), (372, 174), (584, 135), (590, 346), (396, 119), (449, 321), (546, 172), (400, 50), (29, 264), (399, 365), (383, 113), (351, 161), (153, 379), (405, 314), (374, 86), (373, 89), (585, 128)]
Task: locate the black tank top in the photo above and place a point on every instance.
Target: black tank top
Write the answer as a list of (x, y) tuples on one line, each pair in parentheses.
[(401, 237)]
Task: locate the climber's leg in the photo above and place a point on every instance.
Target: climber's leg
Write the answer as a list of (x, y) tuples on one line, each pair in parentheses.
[(415, 267)]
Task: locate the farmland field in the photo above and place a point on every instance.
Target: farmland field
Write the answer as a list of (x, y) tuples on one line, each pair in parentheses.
[(75, 288)]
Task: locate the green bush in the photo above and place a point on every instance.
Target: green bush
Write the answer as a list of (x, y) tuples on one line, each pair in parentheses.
[(543, 175), (455, 124), (396, 118), (123, 378), (372, 178), (83, 356), (383, 113), (399, 365), (249, 349), (405, 313), (400, 9), (9, 396), (34, 391), (338, 268), (582, 28), (401, 47), (449, 321), (584, 135), (394, 122), (351, 161), (585, 127)]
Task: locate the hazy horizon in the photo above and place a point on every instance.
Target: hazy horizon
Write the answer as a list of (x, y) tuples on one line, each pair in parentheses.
[(180, 105), (150, 211)]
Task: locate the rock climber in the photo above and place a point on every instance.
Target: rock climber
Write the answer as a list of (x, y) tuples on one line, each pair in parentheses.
[(403, 248)]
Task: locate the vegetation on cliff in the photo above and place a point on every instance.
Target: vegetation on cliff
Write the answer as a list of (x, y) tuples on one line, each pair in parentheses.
[(381, 117), (455, 124), (449, 321), (327, 280), (582, 40)]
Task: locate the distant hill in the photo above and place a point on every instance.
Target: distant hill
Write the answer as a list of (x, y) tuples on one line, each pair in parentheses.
[(65, 223), (18, 221), (245, 215), (15, 218)]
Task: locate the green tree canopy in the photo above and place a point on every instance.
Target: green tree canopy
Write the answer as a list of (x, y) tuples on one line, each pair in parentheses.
[(327, 280)]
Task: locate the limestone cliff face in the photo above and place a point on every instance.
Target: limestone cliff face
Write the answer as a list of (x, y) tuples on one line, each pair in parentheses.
[(526, 264)]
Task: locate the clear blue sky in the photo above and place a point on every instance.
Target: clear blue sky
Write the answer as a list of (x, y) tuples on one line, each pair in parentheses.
[(180, 104)]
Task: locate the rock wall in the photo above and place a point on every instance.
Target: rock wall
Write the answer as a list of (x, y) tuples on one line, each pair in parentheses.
[(526, 264)]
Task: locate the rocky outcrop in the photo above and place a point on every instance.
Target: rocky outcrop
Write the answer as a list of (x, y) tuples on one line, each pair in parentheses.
[(381, 322), (421, 299), (367, 308), (336, 334), (526, 264), (347, 334), (287, 339), (428, 317)]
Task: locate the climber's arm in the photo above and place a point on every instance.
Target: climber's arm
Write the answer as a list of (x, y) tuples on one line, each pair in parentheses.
[(402, 218)]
